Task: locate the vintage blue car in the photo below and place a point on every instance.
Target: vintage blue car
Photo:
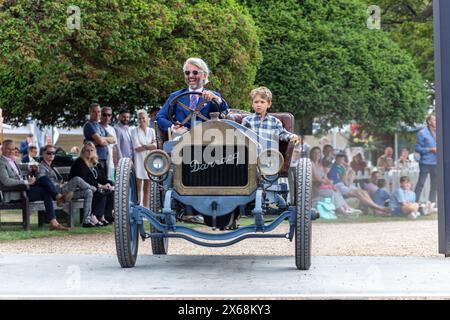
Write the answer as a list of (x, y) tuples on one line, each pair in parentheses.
[(218, 171)]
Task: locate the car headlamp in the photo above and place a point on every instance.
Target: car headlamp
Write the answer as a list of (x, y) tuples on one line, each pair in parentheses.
[(270, 162), (157, 163)]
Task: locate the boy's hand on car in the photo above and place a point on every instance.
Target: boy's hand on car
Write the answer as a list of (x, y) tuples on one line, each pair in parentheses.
[(295, 139)]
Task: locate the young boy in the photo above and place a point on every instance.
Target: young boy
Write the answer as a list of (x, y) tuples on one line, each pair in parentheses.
[(261, 122), (403, 200), (381, 196), (267, 127)]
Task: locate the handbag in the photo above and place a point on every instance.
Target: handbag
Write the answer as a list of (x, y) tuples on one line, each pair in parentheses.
[(326, 209)]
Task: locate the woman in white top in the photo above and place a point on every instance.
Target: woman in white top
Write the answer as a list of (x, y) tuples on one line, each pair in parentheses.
[(143, 139)]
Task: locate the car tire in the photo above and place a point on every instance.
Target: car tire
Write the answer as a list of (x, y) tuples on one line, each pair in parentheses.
[(126, 230), (303, 225)]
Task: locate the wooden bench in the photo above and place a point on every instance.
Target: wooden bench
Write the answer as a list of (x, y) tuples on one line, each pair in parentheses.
[(28, 206)]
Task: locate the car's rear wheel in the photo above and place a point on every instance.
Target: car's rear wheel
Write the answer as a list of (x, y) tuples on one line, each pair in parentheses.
[(159, 245), (125, 227), (303, 226)]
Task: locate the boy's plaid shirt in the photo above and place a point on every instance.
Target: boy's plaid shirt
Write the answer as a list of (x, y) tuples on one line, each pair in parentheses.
[(269, 128)]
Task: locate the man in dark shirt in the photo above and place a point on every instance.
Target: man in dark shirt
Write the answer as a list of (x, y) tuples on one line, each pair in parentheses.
[(93, 131)]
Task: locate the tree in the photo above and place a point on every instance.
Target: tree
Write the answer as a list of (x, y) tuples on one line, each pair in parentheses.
[(125, 53), (410, 24), (321, 61)]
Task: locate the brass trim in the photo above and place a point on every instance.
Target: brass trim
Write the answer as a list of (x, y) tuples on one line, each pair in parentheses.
[(197, 137)]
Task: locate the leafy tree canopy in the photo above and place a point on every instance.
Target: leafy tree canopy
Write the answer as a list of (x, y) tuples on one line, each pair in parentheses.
[(322, 61), (127, 52), (410, 24)]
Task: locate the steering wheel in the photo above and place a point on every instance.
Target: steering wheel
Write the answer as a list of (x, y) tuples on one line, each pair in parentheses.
[(192, 112)]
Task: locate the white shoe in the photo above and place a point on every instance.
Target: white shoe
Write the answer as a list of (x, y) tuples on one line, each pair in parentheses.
[(353, 212), (413, 215)]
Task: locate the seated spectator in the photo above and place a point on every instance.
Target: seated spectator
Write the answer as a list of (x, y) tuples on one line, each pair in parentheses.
[(386, 162), (32, 155), (41, 189), (403, 200), (323, 187), (403, 161), (24, 144), (328, 156), (371, 185), (341, 177), (77, 186), (87, 167), (381, 196), (358, 164)]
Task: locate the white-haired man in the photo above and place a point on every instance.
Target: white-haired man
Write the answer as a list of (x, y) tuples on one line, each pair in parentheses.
[(196, 74)]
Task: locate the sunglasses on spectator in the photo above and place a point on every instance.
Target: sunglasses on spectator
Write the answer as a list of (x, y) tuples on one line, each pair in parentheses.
[(107, 115), (50, 153), (195, 72)]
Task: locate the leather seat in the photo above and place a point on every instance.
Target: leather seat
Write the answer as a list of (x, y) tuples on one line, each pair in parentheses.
[(285, 147)]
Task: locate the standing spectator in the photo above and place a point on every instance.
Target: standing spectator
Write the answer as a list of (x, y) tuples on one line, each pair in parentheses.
[(31, 156), (403, 200), (358, 164), (386, 162), (426, 147), (95, 133), (144, 141), (112, 147), (79, 188), (328, 156), (24, 144), (153, 113), (86, 167), (124, 143), (403, 160)]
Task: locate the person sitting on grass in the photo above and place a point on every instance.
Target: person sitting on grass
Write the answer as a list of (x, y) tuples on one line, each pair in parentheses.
[(403, 200), (340, 175), (322, 187), (371, 185), (381, 196)]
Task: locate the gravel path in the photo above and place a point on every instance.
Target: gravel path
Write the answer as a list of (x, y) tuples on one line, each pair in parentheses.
[(399, 238)]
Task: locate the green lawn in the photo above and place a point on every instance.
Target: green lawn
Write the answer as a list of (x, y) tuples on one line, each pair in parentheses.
[(11, 233), (15, 232)]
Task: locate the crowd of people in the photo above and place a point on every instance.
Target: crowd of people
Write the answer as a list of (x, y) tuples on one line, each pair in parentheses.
[(334, 180), (92, 174)]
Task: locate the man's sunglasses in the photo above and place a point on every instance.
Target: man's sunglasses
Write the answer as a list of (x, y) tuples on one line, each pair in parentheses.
[(195, 72), (107, 115), (50, 153)]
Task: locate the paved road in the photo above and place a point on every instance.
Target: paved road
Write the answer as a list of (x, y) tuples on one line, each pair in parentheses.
[(232, 276)]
